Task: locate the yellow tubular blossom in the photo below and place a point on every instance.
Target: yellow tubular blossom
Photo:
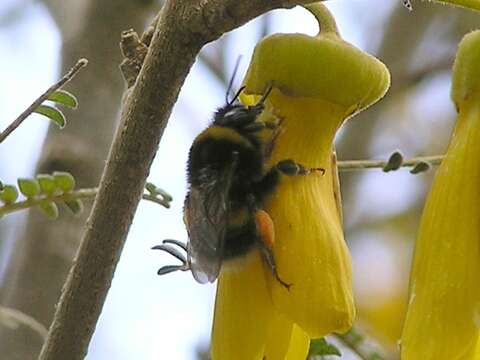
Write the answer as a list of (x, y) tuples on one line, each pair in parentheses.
[(285, 340), (299, 344), (443, 317), (310, 250), (242, 312), (318, 82)]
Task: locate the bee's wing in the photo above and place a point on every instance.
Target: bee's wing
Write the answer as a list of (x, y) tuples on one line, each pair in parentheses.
[(206, 215)]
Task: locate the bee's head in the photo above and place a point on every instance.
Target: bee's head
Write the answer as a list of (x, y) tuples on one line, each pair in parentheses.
[(236, 115)]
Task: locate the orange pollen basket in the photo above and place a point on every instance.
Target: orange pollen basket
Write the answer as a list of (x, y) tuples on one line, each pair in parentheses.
[(265, 227)]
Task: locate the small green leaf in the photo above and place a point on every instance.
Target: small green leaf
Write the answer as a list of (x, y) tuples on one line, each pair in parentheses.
[(155, 191), (375, 356), (47, 183), (75, 206), (65, 98), (54, 114), (322, 347), (9, 194), (354, 336), (394, 162), (420, 167), (165, 195), (49, 208), (64, 180), (28, 187), (151, 188)]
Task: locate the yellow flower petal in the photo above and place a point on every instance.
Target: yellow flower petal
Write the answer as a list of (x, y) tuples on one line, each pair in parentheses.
[(243, 310), (443, 316), (444, 309), (323, 66), (474, 352), (299, 344), (466, 80), (318, 82), (285, 340), (310, 251)]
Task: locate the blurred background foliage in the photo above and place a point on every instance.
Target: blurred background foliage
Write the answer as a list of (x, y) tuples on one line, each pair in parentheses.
[(146, 317)]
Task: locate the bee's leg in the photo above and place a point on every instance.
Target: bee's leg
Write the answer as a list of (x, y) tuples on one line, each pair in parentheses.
[(259, 125), (175, 242), (174, 252), (269, 259), (266, 240), (272, 178), (255, 126), (291, 168)]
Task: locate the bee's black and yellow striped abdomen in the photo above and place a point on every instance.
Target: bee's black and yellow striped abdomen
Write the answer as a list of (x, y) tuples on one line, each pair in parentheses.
[(216, 149), (213, 153)]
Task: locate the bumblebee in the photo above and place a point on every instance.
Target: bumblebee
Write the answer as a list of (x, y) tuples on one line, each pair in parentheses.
[(228, 183)]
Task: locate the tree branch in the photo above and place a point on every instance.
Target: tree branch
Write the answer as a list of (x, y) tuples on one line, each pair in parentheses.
[(68, 76), (183, 28)]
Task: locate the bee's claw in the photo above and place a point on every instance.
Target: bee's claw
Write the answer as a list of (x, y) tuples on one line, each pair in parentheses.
[(171, 268), (283, 283), (175, 242), (172, 251), (164, 246), (322, 170)]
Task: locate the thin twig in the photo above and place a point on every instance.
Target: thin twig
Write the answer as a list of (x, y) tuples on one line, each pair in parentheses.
[(345, 165), (69, 76), (351, 165), (12, 317), (65, 197)]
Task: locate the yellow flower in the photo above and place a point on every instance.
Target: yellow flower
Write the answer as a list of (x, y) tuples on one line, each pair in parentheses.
[(318, 83), (443, 317)]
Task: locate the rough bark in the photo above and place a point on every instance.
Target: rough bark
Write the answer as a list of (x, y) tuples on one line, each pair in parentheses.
[(44, 250)]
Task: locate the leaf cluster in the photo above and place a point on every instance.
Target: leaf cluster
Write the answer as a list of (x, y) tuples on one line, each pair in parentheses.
[(43, 191)]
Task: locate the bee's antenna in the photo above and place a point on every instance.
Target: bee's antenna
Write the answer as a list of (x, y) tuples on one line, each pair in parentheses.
[(230, 83), (236, 95), (265, 95)]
